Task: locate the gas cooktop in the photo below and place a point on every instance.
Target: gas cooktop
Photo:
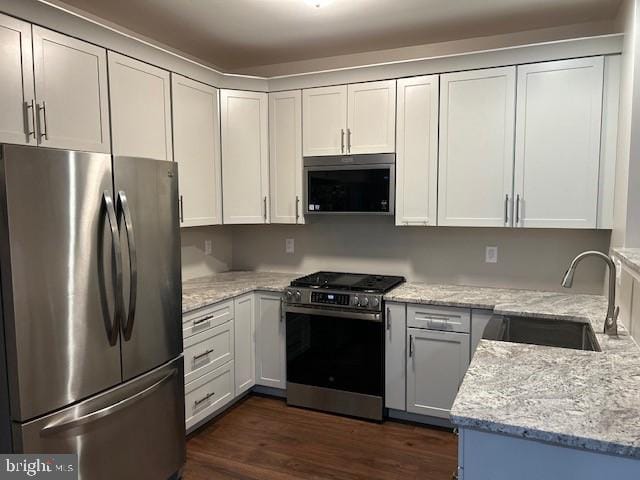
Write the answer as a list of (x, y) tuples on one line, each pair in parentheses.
[(356, 282)]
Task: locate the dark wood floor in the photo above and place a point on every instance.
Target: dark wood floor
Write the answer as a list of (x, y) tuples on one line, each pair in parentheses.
[(263, 439)]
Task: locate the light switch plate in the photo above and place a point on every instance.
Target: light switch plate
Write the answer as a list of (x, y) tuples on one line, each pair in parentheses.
[(491, 255), (208, 247), (289, 246)]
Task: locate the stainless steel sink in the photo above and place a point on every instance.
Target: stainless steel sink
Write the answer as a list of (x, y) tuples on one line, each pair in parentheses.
[(537, 331)]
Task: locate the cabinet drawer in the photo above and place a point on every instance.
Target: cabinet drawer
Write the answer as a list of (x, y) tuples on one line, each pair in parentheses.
[(448, 319), (208, 317), (208, 394), (207, 350)]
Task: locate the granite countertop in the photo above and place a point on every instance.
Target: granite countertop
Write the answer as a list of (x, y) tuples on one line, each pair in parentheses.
[(630, 257), (203, 291), (588, 400)]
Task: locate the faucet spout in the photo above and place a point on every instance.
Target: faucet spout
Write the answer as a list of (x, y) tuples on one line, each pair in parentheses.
[(611, 321)]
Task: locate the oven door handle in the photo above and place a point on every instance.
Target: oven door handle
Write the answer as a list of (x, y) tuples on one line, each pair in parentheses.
[(371, 317)]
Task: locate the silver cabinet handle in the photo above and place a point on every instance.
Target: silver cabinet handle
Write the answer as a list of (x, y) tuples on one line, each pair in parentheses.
[(506, 208), (348, 140), (103, 412), (45, 132), (29, 106), (123, 206), (517, 209), (342, 140), (411, 345), (181, 209), (202, 320), (388, 318), (204, 399), (117, 251), (203, 354), (297, 208), (264, 201)]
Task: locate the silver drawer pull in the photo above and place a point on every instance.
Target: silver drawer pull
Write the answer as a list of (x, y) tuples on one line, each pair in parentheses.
[(202, 320), (204, 399), (203, 354)]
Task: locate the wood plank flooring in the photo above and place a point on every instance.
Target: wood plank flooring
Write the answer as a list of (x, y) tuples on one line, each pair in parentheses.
[(263, 439)]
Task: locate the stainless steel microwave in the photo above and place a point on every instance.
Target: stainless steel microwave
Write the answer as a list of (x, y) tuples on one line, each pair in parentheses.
[(350, 184)]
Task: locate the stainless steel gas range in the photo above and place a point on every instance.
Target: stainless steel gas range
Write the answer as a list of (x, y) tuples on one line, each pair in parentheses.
[(335, 342)]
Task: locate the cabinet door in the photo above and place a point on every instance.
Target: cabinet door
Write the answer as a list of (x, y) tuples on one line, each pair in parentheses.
[(558, 143), (140, 109), (371, 117), (417, 151), (436, 364), (196, 136), (475, 182), (245, 161), (324, 124), (395, 359), (285, 156), (17, 115), (244, 343), (270, 341), (71, 92)]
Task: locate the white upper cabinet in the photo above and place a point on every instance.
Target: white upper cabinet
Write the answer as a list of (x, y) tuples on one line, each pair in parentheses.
[(140, 108), (71, 92), (324, 121), (371, 117), (417, 151), (245, 156), (558, 143), (477, 110), (17, 115), (196, 136), (285, 157)]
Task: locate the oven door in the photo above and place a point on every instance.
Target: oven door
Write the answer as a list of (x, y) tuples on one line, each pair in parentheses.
[(335, 360), (360, 189)]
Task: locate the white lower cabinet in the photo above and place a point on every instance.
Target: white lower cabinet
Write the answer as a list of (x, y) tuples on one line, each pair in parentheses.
[(207, 351), (244, 340), (436, 364), (395, 374), (270, 341), (208, 394)]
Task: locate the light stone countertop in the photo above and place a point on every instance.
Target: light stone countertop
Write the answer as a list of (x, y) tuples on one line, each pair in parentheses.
[(630, 257), (587, 400)]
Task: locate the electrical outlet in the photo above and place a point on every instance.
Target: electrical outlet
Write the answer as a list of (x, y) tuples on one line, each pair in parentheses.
[(208, 247), (289, 246), (491, 255)]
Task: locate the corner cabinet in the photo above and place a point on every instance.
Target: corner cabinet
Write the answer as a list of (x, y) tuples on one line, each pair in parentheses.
[(244, 339), (245, 156), (417, 151), (140, 108), (285, 157), (270, 341), (557, 156), (477, 125), (349, 119), (196, 136)]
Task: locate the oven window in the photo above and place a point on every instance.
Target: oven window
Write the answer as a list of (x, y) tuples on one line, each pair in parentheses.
[(335, 353), (350, 190)]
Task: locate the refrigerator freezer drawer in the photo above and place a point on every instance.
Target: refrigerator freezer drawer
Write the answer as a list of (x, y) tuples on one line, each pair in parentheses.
[(200, 320), (208, 394), (207, 351), (132, 432)]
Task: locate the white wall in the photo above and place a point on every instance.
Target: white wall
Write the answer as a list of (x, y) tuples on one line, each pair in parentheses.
[(527, 258), (194, 261)]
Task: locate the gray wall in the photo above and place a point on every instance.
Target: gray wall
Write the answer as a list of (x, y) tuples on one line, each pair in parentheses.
[(529, 258), (194, 261)]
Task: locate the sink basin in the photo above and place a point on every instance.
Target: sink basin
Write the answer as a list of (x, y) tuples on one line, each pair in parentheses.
[(537, 331)]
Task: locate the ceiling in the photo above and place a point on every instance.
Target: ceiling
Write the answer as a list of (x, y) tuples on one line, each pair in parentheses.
[(237, 34)]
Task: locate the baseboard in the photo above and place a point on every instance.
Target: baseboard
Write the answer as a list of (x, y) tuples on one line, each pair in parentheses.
[(269, 391), (421, 419)]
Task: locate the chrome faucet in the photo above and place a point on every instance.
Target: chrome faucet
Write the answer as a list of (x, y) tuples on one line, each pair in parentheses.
[(611, 322)]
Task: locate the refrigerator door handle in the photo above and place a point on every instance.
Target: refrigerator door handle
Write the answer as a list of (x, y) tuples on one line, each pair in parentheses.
[(127, 325), (115, 236), (103, 412)]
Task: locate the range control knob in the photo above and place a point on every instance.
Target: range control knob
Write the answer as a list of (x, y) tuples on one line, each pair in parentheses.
[(298, 295), (375, 302), (364, 302), (356, 301), (289, 295)]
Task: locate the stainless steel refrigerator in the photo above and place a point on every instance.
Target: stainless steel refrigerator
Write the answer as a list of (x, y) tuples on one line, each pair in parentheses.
[(91, 311)]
